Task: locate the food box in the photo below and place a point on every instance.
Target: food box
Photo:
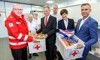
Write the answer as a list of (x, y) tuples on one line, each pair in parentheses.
[(39, 46), (69, 52)]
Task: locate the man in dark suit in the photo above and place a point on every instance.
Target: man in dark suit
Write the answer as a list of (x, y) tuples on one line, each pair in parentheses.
[(86, 30), (48, 27)]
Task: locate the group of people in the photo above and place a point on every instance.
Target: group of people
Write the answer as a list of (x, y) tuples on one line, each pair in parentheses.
[(86, 29)]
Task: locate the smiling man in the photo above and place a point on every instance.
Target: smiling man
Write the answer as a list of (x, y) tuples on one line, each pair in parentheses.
[(18, 33), (86, 30), (48, 27)]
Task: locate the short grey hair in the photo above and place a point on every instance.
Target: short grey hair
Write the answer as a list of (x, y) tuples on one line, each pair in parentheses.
[(84, 4)]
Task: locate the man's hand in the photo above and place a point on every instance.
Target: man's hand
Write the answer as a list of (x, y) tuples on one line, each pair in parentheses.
[(46, 36), (35, 35), (35, 40), (79, 46)]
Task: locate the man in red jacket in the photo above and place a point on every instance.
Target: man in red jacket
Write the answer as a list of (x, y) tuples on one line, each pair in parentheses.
[(18, 33)]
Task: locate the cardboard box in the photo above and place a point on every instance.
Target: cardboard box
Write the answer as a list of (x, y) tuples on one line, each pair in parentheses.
[(37, 47), (70, 52)]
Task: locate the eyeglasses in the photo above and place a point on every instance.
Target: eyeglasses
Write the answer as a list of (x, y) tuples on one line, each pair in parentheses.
[(18, 9)]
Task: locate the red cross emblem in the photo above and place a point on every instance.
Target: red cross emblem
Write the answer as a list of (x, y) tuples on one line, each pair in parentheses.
[(74, 53), (37, 47)]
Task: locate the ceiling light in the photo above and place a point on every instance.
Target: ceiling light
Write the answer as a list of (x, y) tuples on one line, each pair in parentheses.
[(36, 6), (50, 1)]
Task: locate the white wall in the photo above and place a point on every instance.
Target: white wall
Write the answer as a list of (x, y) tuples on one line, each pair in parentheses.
[(75, 12), (74, 2), (3, 32)]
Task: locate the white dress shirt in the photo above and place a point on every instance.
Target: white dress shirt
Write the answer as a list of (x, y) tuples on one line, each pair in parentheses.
[(66, 23), (58, 17), (47, 18), (82, 22)]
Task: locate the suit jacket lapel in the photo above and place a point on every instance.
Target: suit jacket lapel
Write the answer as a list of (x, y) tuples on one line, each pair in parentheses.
[(43, 21), (68, 23), (78, 24), (63, 24), (85, 23)]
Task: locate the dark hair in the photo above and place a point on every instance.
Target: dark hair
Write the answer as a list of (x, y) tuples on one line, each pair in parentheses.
[(63, 11), (86, 4)]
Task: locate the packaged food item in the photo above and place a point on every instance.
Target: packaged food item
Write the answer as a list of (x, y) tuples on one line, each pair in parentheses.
[(41, 36), (68, 35), (67, 43)]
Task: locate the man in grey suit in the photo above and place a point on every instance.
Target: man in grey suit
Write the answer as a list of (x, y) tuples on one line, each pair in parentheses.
[(48, 27), (86, 30)]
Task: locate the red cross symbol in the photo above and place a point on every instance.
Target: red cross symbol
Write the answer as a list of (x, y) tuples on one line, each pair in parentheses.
[(37, 47), (74, 53)]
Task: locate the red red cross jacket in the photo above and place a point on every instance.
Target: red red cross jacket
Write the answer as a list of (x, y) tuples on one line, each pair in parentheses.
[(17, 31)]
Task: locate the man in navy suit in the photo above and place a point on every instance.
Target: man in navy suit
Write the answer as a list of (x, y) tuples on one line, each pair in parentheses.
[(86, 30)]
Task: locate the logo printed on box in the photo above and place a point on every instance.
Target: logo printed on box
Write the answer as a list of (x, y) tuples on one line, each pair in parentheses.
[(37, 46), (74, 53)]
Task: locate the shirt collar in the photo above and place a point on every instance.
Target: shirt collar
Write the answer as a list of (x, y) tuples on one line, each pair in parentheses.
[(47, 16), (55, 14), (66, 21), (85, 18)]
